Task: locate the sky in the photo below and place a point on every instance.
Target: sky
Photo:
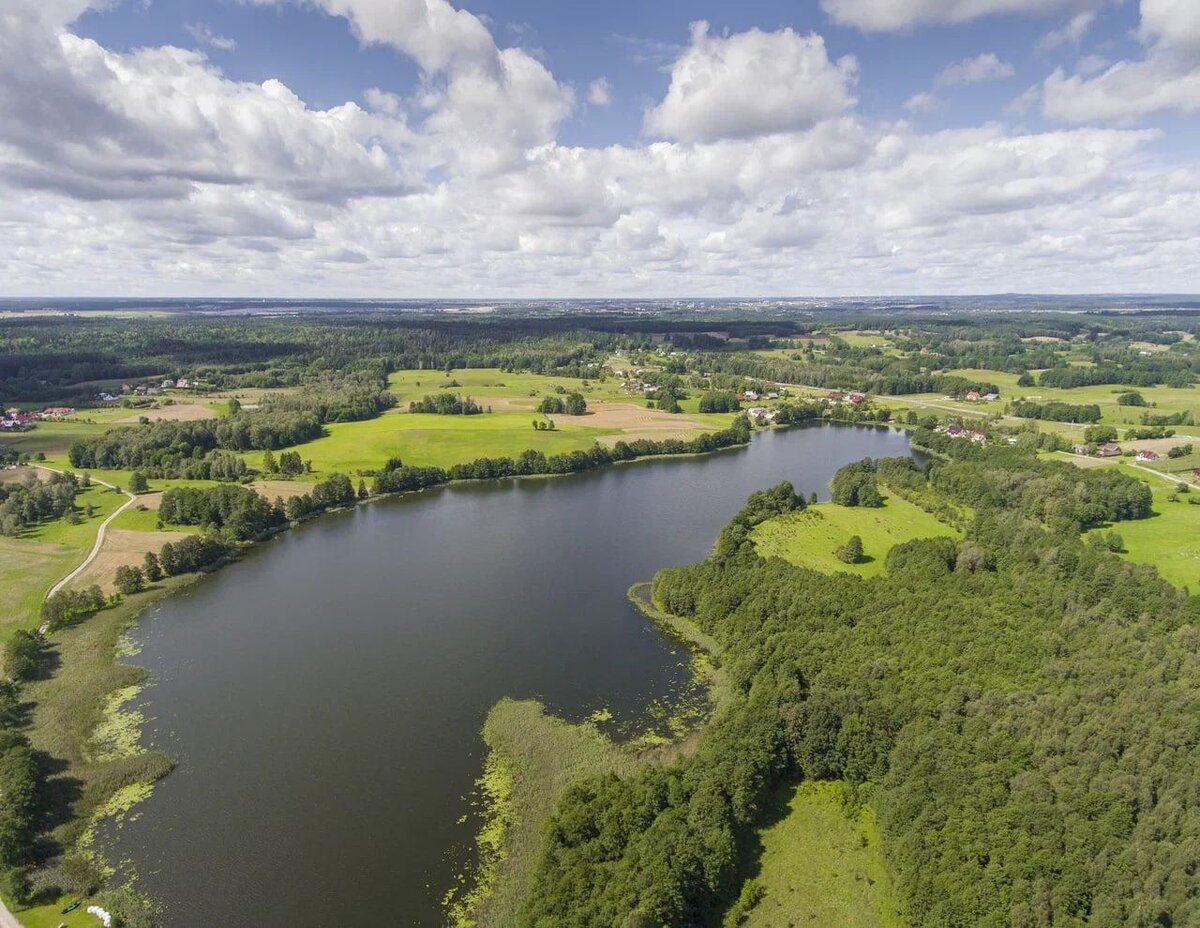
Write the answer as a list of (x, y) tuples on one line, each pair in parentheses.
[(539, 148)]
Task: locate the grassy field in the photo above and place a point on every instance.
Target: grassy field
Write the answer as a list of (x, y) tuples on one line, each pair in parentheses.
[(34, 562), (1161, 400), (820, 867), (1170, 539), (441, 441), (809, 538)]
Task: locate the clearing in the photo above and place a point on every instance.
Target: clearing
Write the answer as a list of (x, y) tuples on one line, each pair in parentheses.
[(809, 538), (822, 865)]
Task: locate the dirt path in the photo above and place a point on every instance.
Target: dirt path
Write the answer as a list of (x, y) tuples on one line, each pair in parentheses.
[(95, 548), (7, 919)]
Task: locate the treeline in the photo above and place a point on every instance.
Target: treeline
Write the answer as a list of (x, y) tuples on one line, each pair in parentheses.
[(1135, 371), (239, 513), (446, 404), (397, 477), (719, 401), (573, 404), (193, 450), (26, 502), (1013, 700), (1057, 412)]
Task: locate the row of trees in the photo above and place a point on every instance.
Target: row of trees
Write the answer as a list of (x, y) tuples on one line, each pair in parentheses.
[(446, 404), (1056, 412), (573, 404)]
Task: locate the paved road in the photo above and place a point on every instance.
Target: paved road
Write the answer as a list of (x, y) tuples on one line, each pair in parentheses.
[(95, 548)]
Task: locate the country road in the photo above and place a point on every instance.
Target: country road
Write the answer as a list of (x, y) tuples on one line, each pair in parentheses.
[(7, 919), (96, 547)]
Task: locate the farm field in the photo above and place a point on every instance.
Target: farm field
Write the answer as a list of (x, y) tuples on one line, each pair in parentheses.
[(823, 867), (809, 538)]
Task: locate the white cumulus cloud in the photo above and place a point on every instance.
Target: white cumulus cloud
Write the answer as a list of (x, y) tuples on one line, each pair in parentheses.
[(751, 83)]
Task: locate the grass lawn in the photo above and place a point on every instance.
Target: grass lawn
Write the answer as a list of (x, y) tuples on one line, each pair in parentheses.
[(809, 538), (821, 868), (1170, 539)]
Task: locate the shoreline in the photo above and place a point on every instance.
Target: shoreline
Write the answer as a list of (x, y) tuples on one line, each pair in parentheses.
[(135, 608), (533, 757)]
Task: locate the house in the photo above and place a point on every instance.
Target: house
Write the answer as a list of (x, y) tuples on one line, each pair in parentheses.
[(751, 394), (772, 396), (857, 399), (1109, 450), (991, 397), (1146, 456), (167, 384), (835, 397), (57, 412), (182, 383), (1080, 449), (106, 398), (978, 437), (955, 431), (973, 396), (761, 413)]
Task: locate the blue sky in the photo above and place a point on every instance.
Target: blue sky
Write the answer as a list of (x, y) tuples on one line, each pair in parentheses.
[(522, 147)]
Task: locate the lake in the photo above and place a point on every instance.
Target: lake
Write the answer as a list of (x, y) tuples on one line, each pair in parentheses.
[(324, 695)]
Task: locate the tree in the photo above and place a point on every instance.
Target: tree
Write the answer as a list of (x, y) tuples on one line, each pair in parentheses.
[(290, 464), (575, 405), (362, 489), (21, 654), (270, 465), (852, 551), (152, 568), (1025, 380), (137, 482), (130, 580)]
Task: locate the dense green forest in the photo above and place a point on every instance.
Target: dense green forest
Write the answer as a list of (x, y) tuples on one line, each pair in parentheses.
[(1022, 707)]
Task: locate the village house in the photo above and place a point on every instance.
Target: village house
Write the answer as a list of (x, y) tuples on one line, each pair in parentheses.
[(973, 395), (836, 396), (182, 383), (991, 397), (57, 412), (1080, 449), (955, 431), (1146, 456), (1109, 450), (761, 413), (751, 394), (978, 437)]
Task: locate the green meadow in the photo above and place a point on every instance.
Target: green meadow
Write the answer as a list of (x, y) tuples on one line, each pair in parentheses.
[(1170, 539), (810, 537), (822, 866), (439, 441)]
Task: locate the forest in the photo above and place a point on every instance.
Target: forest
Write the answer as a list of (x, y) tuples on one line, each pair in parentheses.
[(959, 692)]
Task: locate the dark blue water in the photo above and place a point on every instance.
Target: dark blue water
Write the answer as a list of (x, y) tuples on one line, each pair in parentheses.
[(324, 696)]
